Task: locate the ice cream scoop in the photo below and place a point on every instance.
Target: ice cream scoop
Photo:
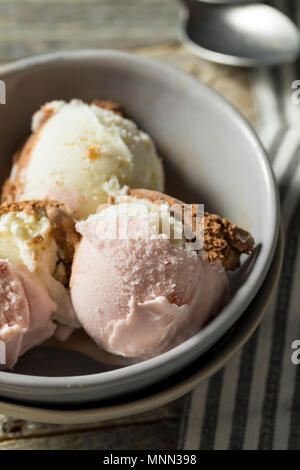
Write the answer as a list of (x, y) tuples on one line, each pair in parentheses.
[(140, 292), (37, 240), (79, 154)]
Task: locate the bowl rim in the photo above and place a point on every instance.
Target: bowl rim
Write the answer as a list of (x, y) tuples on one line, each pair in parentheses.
[(262, 265)]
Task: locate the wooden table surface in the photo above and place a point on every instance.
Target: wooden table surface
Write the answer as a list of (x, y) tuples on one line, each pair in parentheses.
[(152, 28)]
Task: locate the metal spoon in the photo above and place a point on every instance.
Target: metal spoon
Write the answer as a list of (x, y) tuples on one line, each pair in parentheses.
[(247, 35)]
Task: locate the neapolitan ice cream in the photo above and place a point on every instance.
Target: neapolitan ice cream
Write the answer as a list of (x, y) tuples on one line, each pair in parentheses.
[(37, 241), (79, 154), (140, 292)]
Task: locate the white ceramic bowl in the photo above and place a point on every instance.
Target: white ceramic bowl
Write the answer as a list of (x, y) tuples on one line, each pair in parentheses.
[(211, 156)]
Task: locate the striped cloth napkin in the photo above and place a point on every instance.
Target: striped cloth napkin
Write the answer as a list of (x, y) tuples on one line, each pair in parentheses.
[(254, 401)]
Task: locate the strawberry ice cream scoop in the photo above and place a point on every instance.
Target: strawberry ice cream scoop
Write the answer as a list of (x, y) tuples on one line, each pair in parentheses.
[(36, 247), (139, 295), (25, 314)]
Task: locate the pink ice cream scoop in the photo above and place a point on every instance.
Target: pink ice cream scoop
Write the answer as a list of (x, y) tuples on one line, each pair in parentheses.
[(139, 295), (37, 242), (25, 313)]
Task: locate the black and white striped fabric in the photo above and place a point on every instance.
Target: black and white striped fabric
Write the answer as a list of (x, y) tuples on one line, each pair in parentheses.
[(254, 401)]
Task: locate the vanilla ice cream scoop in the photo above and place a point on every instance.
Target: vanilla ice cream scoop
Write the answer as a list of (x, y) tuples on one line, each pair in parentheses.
[(79, 154), (37, 240), (136, 286)]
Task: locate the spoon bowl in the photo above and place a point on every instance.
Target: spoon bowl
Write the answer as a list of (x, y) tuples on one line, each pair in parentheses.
[(246, 35)]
